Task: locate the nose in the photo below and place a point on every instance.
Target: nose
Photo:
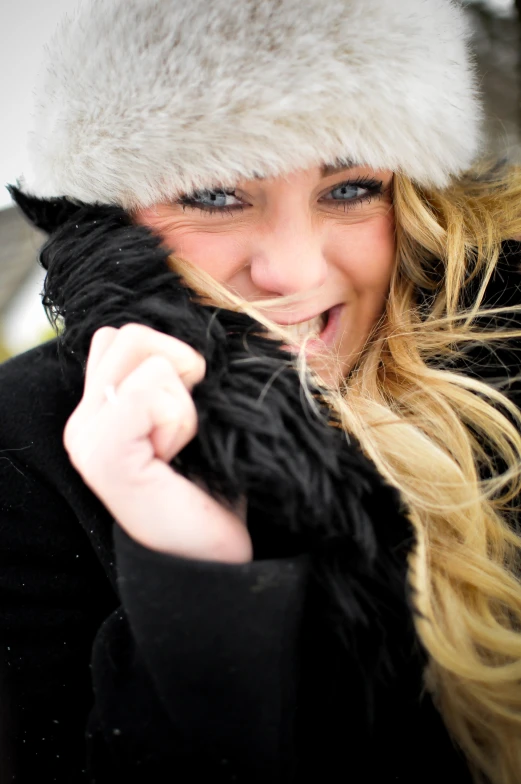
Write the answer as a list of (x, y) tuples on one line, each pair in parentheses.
[(288, 258)]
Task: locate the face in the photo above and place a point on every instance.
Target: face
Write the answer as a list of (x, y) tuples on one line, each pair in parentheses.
[(326, 234)]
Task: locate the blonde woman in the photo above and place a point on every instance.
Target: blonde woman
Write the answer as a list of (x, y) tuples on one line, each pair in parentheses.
[(258, 498)]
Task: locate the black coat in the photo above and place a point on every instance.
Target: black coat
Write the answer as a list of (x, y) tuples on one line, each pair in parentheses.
[(123, 664)]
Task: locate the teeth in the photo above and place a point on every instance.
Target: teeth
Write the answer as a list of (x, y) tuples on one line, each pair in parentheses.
[(306, 328)]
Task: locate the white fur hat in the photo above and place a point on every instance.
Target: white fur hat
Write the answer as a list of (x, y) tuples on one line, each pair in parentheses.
[(142, 100)]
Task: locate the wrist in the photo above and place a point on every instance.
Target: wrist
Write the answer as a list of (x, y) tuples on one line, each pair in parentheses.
[(189, 524), (235, 549)]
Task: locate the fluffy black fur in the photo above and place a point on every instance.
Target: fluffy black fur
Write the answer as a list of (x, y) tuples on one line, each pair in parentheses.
[(258, 435)]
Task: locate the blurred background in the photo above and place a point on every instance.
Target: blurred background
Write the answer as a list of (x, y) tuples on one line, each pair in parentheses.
[(25, 26)]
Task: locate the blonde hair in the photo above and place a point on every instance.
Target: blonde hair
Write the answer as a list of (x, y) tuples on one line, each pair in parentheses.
[(438, 436)]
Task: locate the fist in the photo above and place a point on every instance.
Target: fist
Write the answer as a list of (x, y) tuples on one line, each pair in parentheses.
[(135, 415)]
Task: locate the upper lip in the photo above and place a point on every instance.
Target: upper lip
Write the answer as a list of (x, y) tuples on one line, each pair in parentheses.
[(286, 322)]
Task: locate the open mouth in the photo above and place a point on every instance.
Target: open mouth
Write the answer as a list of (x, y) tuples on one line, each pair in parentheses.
[(318, 332), (312, 328)]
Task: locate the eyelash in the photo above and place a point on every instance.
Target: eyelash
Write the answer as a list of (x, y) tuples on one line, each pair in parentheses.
[(374, 191)]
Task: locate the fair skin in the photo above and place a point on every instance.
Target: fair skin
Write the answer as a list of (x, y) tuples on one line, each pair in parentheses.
[(327, 235)]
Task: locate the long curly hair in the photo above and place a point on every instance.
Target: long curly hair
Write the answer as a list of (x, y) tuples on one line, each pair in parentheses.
[(450, 443)]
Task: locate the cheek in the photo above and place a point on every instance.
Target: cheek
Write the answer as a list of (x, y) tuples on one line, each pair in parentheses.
[(364, 260), (365, 255), (218, 253)]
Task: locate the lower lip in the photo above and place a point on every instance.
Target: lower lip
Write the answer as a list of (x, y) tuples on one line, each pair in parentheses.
[(326, 337)]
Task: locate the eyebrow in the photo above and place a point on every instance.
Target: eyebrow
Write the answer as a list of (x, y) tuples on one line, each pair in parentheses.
[(327, 169)]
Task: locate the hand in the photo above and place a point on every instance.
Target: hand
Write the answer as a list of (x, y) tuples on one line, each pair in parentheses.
[(122, 448)]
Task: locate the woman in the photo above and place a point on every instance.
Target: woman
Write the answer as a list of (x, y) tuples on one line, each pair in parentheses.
[(203, 576)]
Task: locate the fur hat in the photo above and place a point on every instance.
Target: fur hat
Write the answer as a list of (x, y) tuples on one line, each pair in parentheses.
[(142, 100)]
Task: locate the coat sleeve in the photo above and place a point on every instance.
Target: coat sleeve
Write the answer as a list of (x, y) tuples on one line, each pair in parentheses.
[(216, 646), (195, 669)]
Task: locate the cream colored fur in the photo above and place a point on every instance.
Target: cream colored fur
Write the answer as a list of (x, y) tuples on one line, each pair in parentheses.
[(144, 99)]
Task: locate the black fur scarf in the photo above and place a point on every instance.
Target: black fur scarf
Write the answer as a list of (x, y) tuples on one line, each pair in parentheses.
[(258, 436)]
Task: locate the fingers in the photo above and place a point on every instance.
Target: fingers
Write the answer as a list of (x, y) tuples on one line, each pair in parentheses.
[(154, 370), (153, 416), (100, 342), (117, 352), (172, 414), (121, 445)]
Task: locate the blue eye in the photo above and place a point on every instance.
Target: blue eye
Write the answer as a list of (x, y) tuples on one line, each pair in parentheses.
[(211, 199), (348, 191), (345, 195), (357, 192)]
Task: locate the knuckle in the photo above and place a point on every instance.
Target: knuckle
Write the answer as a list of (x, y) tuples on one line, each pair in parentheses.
[(191, 409), (192, 364), (183, 398), (159, 364), (189, 421), (70, 432), (75, 447), (135, 398), (132, 332), (99, 338), (102, 331), (181, 356), (199, 365)]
